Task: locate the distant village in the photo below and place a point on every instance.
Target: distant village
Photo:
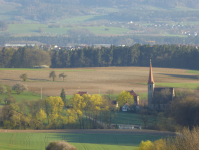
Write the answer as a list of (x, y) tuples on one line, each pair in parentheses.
[(56, 47), (77, 46)]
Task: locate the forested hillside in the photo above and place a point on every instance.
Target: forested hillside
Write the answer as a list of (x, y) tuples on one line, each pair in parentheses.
[(116, 40), (170, 56), (162, 3), (52, 10)]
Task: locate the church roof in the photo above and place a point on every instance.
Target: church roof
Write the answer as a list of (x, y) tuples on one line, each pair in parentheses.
[(151, 80)]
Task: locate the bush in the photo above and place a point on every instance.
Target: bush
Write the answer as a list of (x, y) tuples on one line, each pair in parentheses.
[(24, 77), (10, 99), (2, 89), (186, 140), (0, 100), (9, 89), (60, 145), (19, 88)]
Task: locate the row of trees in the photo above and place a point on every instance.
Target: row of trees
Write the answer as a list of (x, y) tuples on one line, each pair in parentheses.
[(115, 40), (170, 56), (23, 58)]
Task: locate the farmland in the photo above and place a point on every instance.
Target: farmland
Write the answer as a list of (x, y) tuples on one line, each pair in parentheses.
[(34, 29), (82, 139), (98, 80), (130, 118)]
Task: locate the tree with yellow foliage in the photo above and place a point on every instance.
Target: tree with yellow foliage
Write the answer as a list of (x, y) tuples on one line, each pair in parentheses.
[(95, 107), (41, 115), (70, 118), (125, 97), (55, 108), (78, 104), (148, 145)]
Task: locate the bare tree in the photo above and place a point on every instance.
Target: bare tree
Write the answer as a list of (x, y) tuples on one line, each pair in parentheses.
[(144, 116), (52, 75), (62, 75)]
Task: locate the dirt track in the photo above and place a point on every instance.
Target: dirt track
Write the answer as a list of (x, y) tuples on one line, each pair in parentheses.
[(97, 131)]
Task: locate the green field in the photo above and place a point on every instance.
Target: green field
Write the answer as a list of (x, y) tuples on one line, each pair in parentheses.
[(177, 85), (34, 28), (176, 35), (77, 19), (129, 118), (39, 69), (22, 96), (38, 141), (24, 69), (193, 71)]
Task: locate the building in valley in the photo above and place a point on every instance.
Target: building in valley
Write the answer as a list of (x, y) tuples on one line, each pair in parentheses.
[(158, 97)]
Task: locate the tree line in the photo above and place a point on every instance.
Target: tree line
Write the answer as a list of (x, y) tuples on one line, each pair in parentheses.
[(116, 40), (170, 56), (23, 58)]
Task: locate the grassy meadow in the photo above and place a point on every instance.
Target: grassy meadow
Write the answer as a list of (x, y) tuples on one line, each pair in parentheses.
[(77, 19), (34, 29), (129, 118), (22, 96), (40, 69), (38, 141), (193, 71), (177, 85)]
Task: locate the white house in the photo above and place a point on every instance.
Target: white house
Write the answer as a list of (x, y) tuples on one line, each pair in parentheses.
[(126, 107)]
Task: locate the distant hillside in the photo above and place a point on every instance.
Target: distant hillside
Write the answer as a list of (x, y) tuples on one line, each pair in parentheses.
[(52, 10), (109, 3)]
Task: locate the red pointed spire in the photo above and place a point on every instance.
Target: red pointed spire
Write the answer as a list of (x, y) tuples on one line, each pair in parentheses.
[(151, 81)]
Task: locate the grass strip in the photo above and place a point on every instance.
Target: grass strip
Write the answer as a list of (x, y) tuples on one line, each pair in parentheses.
[(40, 69), (193, 71), (177, 85)]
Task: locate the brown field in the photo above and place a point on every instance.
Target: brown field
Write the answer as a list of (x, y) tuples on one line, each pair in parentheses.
[(103, 78)]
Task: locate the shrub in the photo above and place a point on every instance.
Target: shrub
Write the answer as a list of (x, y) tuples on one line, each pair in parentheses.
[(10, 99), (148, 145), (24, 77), (186, 140), (19, 88), (60, 145), (2, 89), (9, 89)]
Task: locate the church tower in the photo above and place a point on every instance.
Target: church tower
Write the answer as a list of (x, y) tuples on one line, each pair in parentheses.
[(151, 86)]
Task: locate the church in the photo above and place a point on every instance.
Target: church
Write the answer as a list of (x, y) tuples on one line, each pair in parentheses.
[(158, 97)]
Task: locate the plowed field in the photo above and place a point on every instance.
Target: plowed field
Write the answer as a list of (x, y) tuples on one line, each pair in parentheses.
[(94, 80)]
